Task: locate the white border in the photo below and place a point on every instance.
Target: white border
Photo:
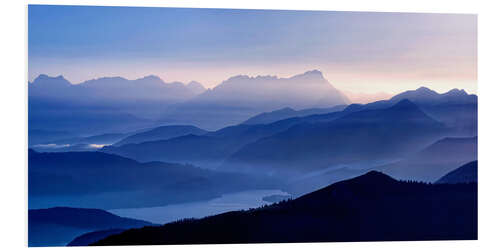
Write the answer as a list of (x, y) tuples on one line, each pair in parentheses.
[(13, 82)]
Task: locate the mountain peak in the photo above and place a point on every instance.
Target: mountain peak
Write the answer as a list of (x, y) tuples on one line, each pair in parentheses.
[(151, 77), (373, 174), (406, 104), (237, 77), (42, 76), (44, 79), (424, 89), (313, 72), (426, 96), (456, 91), (372, 178), (196, 87), (310, 74), (371, 181), (419, 95)]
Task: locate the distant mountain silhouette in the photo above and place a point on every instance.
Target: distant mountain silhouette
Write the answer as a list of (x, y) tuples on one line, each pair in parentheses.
[(161, 133), (213, 148), (99, 180), (306, 90), (207, 150), (201, 150), (464, 174), (358, 136), (435, 160), (108, 89), (371, 207), (104, 104), (284, 113), (59, 225), (456, 108), (427, 96), (44, 84), (240, 97)]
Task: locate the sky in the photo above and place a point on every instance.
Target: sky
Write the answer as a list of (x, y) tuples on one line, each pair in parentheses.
[(361, 53)]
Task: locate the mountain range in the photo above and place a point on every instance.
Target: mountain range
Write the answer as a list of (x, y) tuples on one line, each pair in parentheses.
[(212, 148), (104, 105), (408, 163), (369, 134), (108, 102), (306, 90), (112, 89), (237, 98), (232, 146), (208, 150), (118, 105), (456, 108)]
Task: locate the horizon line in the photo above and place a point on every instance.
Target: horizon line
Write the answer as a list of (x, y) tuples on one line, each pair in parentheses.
[(276, 76)]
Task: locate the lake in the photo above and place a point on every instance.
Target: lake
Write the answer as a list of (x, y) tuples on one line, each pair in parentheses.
[(225, 203)]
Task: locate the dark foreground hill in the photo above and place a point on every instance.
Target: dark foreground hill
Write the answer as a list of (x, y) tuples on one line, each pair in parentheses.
[(59, 225), (464, 174), (371, 207)]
